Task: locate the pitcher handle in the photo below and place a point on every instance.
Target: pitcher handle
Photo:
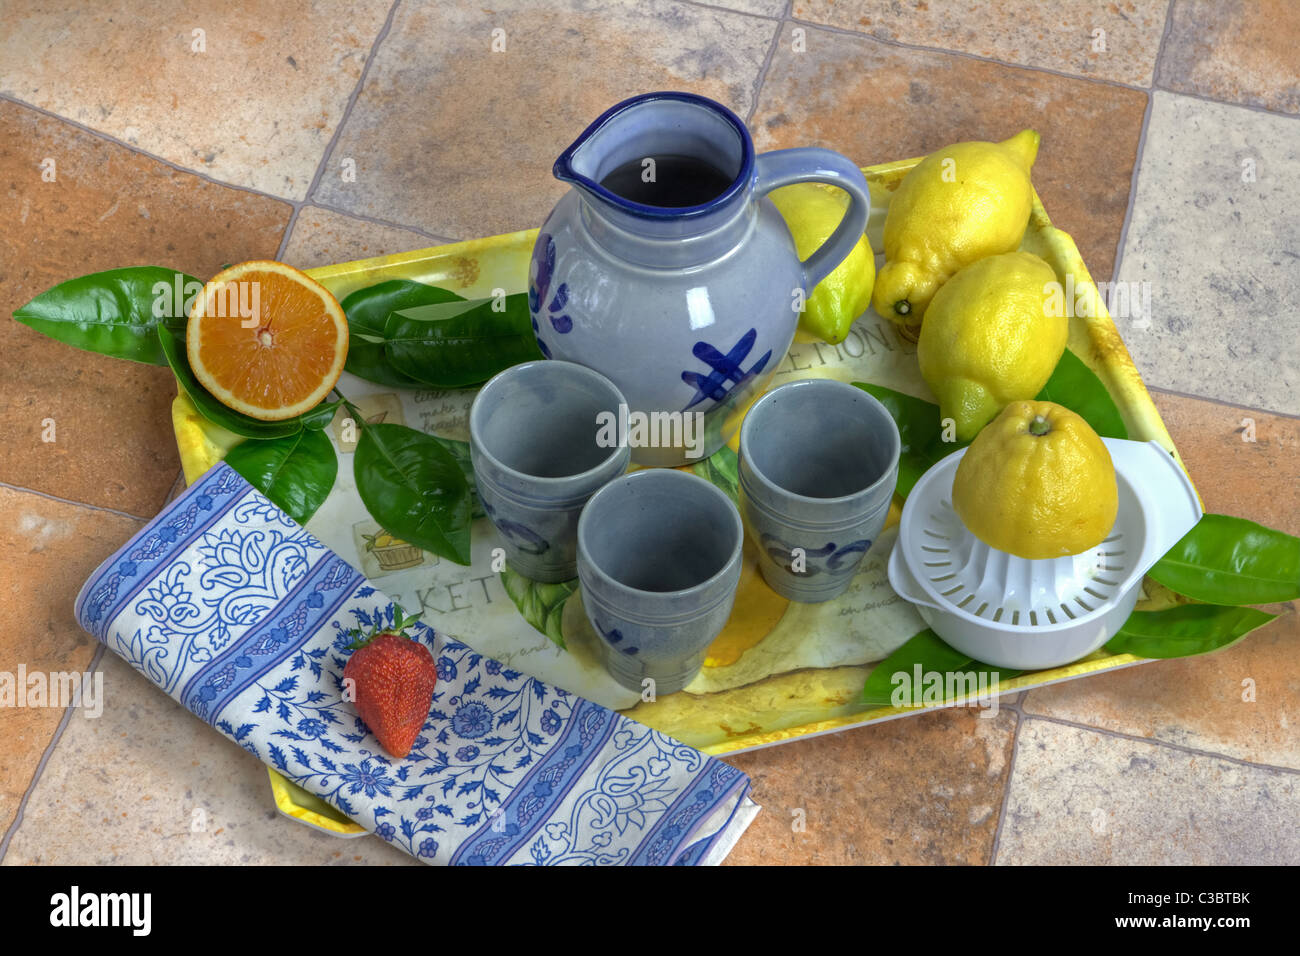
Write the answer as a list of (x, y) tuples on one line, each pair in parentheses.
[(811, 164)]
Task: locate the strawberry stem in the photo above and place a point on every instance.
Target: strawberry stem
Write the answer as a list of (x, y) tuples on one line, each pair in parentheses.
[(401, 621)]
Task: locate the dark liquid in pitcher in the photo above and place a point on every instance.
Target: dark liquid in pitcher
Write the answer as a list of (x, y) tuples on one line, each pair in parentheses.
[(678, 181)]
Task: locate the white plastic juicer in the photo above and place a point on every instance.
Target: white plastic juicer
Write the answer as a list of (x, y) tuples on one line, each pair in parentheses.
[(1025, 614)]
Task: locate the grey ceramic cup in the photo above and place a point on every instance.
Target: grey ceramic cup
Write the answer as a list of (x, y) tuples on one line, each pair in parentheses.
[(659, 554), (534, 434), (818, 467)]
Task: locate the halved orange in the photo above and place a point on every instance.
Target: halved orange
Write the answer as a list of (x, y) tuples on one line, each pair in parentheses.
[(266, 339)]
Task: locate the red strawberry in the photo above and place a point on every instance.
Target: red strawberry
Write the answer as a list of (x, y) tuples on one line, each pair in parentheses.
[(393, 680)]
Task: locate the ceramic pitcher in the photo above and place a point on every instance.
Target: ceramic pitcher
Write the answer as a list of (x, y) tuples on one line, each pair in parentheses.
[(688, 309)]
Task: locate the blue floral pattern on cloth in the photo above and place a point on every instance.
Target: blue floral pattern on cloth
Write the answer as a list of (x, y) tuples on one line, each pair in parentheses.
[(243, 616)]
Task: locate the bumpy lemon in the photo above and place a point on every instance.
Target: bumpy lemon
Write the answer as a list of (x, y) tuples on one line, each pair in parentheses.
[(1037, 483), (959, 204), (812, 211), (992, 335)]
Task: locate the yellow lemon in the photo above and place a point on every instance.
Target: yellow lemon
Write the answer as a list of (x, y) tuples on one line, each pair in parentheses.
[(991, 336), (959, 204), (1038, 482), (812, 211)]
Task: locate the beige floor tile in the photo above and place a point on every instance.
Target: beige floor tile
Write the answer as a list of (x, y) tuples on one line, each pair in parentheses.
[(1214, 234), (1241, 51), (321, 237), (876, 103), (148, 783), (762, 8), (918, 790), (1113, 41), (256, 107), (1201, 702), (459, 141), (47, 550), (1082, 798)]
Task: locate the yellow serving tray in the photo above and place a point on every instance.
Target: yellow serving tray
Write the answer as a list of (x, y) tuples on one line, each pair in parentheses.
[(780, 671)]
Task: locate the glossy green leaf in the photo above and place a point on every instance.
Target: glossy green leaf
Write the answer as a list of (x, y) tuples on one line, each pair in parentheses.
[(1185, 630), (415, 489), (460, 451), (320, 416), (542, 605), (927, 651), (173, 346), (722, 468), (1078, 388), (458, 344), (368, 310), (919, 428), (1227, 560), (296, 472), (113, 312)]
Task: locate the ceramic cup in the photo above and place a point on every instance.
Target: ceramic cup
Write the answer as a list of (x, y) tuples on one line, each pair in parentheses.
[(535, 442), (658, 563), (818, 466)]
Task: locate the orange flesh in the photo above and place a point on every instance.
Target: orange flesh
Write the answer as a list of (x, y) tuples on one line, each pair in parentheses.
[(283, 360)]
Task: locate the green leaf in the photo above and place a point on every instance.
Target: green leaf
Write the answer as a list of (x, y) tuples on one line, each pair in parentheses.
[(1227, 560), (415, 489), (368, 310), (320, 416), (458, 344), (1072, 385), (173, 346), (722, 468), (1185, 630), (111, 312), (542, 605), (460, 451), (927, 650), (296, 472), (920, 430), (1078, 388)]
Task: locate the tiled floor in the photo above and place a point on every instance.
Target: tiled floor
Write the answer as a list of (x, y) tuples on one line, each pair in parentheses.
[(198, 134)]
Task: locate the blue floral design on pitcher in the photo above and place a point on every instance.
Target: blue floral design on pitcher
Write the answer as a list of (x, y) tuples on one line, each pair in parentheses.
[(723, 369), (543, 270)]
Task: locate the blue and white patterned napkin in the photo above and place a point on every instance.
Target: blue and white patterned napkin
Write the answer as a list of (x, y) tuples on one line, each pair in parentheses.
[(241, 615)]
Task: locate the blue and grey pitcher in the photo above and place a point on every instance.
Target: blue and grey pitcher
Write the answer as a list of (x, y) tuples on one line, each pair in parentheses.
[(688, 309)]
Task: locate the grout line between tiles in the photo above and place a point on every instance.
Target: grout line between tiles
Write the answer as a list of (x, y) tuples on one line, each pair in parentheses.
[(1225, 404), (762, 71), (1141, 148), (1253, 107), (352, 99), (442, 240), (1011, 772), (338, 130), (970, 56), (71, 501), (108, 137), (295, 204), (45, 757), (1154, 742), (744, 13)]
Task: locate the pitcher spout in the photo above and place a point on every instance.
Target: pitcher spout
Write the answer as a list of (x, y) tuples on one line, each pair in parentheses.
[(618, 159)]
